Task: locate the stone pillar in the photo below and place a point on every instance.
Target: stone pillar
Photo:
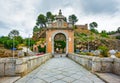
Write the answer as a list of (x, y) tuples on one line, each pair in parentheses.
[(70, 23), (49, 23)]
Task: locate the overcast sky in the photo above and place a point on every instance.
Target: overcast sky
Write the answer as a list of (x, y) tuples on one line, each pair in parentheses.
[(22, 14)]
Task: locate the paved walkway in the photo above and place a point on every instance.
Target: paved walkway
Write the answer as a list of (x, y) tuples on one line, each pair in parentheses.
[(60, 70)]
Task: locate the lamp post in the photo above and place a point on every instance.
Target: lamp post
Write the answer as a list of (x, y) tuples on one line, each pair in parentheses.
[(28, 42), (13, 47), (88, 47)]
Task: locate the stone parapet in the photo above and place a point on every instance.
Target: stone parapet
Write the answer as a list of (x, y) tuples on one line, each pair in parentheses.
[(21, 66), (97, 64), (116, 66)]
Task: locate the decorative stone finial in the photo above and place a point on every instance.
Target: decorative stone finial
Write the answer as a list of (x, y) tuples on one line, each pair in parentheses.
[(60, 13)]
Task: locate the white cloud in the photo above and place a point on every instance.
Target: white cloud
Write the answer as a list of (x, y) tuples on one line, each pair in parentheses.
[(21, 15)]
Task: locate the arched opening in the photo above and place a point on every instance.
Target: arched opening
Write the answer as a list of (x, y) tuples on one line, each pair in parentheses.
[(59, 43), (62, 37)]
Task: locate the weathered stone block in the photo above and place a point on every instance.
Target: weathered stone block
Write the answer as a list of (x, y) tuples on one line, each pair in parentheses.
[(2, 70), (28, 66), (89, 64), (21, 60), (21, 68), (96, 67), (10, 68), (116, 66), (106, 65)]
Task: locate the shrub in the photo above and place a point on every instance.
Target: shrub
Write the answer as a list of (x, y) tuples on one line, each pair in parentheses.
[(94, 31), (104, 34), (90, 53), (40, 49), (83, 53), (117, 37), (104, 50), (118, 54)]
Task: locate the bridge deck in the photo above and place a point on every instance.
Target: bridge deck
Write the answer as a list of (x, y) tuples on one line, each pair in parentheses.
[(60, 70)]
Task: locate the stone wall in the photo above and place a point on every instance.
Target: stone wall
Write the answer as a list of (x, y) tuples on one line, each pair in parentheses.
[(21, 66), (97, 64)]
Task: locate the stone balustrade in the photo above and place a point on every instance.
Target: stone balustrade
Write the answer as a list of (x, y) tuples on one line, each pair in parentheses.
[(21, 66), (97, 64)]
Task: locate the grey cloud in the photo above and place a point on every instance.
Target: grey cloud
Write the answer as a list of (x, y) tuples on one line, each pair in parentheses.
[(4, 25), (48, 5), (87, 6), (22, 14), (99, 6)]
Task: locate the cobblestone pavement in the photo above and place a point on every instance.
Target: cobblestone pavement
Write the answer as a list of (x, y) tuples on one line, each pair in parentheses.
[(60, 70)]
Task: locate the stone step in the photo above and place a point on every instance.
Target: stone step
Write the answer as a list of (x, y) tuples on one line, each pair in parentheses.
[(109, 77), (59, 55)]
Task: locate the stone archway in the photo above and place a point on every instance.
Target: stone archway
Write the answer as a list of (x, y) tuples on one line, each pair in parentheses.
[(66, 36)]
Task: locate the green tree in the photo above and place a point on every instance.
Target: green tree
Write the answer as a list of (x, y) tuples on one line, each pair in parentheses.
[(111, 32), (3, 39), (41, 21), (42, 49), (104, 34), (93, 25), (8, 43), (94, 31), (35, 29), (13, 33), (118, 30), (49, 15), (19, 39), (118, 37), (104, 50), (60, 44), (74, 18), (29, 42), (65, 19)]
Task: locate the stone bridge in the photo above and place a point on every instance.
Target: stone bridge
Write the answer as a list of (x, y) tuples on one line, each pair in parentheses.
[(59, 69)]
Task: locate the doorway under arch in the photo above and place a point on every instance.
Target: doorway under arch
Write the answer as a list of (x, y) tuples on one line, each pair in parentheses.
[(60, 43)]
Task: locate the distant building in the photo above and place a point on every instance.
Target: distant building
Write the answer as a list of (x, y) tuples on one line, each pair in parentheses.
[(84, 27)]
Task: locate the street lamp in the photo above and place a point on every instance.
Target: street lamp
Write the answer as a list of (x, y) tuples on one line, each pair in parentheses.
[(28, 42), (88, 47), (13, 47)]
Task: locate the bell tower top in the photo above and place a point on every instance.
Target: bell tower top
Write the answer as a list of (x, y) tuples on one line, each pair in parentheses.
[(60, 13), (59, 22), (60, 16)]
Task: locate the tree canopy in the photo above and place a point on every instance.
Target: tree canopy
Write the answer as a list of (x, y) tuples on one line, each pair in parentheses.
[(41, 21), (49, 15), (74, 19), (13, 33), (35, 29), (93, 25), (118, 30)]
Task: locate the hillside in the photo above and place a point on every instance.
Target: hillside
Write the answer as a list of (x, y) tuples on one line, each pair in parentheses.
[(85, 37), (6, 52)]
